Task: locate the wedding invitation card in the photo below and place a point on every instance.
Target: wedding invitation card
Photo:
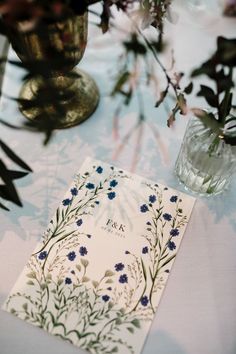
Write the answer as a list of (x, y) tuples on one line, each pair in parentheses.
[(98, 274)]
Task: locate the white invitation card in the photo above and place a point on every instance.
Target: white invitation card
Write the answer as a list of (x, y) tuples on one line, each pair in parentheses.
[(98, 274)]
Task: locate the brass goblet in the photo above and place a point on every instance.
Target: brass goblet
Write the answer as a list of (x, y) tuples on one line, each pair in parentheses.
[(55, 90)]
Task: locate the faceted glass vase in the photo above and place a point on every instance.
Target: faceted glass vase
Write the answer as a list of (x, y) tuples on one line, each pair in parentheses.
[(205, 164)]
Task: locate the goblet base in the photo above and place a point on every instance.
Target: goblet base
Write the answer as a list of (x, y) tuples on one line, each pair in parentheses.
[(62, 102)]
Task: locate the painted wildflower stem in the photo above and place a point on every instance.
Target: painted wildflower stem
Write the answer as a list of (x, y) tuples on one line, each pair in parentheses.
[(160, 250), (74, 211)]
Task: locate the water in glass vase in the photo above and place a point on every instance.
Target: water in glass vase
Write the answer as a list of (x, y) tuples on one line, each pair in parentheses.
[(205, 163)]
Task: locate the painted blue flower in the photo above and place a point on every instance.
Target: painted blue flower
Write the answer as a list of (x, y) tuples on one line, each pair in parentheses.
[(68, 281), (174, 232), (74, 191), (99, 169), (90, 185), (83, 251), (119, 267), (174, 198), (89, 236), (97, 202), (66, 202), (111, 195), (167, 217), (42, 255), (113, 183), (152, 198), (105, 298), (145, 250), (143, 208), (71, 256), (123, 279), (148, 223), (144, 300), (171, 245), (79, 222)]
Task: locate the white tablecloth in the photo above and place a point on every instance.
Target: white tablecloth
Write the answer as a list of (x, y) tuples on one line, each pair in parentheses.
[(197, 313)]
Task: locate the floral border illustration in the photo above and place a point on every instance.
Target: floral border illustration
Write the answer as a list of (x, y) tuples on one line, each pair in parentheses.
[(59, 295)]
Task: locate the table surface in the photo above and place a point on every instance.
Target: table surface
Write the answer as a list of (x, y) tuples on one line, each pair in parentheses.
[(197, 313)]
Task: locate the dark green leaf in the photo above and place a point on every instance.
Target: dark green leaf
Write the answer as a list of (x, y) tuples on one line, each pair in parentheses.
[(14, 157), (17, 174), (209, 95), (225, 106), (4, 207), (188, 89), (226, 51), (209, 120), (207, 68), (10, 190), (105, 19), (224, 82)]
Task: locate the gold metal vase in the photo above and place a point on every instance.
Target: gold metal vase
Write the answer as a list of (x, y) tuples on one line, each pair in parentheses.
[(55, 91)]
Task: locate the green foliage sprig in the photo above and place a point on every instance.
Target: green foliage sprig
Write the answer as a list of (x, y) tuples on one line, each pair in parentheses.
[(220, 69)]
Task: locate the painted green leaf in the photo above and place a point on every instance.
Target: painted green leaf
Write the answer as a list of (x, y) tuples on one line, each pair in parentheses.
[(57, 214), (25, 306), (43, 286), (60, 281), (130, 329), (30, 282), (95, 283), (110, 305), (85, 279), (118, 321), (31, 275), (109, 273), (78, 266), (168, 260), (84, 262), (136, 323), (144, 270)]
